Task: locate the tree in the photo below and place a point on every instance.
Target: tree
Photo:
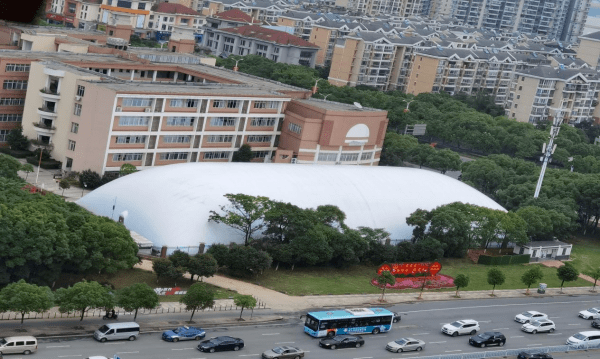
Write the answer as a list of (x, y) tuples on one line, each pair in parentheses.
[(164, 268), (198, 297), (532, 276), (16, 140), (244, 154), (420, 154), (246, 260), (219, 253), (244, 213), (9, 166), (383, 280), (83, 296), (244, 301), (27, 168), (461, 281), (24, 298), (567, 273), (444, 160), (179, 259), (495, 277), (396, 148), (202, 265), (64, 184), (595, 275), (90, 179), (127, 168), (136, 296)]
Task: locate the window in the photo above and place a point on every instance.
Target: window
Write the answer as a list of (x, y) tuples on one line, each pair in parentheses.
[(274, 57), (232, 103), (137, 102), (276, 50), (218, 103), (228, 40), (263, 122), (366, 156), (216, 155), (240, 50), (327, 157), (142, 6), (222, 121), (165, 18), (122, 157), (133, 121), (71, 145), (74, 127), (306, 54), (12, 101), (348, 157), (80, 90), (72, 8), (130, 139), (185, 21), (176, 139), (14, 85), (261, 50), (77, 110), (228, 48), (219, 138), (260, 154), (10, 117), (266, 104), (174, 156), (516, 105), (261, 138), (182, 102), (518, 97), (520, 88), (17, 68), (180, 121), (295, 128), (3, 135)]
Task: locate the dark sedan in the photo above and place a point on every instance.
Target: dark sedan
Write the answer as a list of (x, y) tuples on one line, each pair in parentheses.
[(596, 323), (487, 339), (397, 317), (525, 355), (221, 344), (342, 341)]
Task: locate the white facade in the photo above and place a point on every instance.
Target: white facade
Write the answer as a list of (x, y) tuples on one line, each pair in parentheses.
[(545, 250)]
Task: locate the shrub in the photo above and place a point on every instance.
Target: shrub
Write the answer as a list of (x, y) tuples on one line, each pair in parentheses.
[(90, 179), (219, 252)]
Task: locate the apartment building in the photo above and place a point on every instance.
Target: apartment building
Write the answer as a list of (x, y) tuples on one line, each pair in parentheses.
[(164, 16), (302, 22), (589, 48), (275, 45), (263, 10), (325, 35), (88, 15), (14, 78), (401, 8), (537, 93), (123, 18)]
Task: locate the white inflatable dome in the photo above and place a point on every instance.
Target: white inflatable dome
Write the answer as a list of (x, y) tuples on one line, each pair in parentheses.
[(170, 205)]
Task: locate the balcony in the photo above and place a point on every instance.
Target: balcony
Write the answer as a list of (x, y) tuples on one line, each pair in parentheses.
[(45, 111), (44, 144), (43, 129), (50, 94)]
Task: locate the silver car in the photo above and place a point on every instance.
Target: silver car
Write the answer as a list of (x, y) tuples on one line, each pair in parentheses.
[(405, 345), (284, 352)]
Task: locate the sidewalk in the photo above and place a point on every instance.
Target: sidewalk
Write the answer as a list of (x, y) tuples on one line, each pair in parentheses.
[(46, 181)]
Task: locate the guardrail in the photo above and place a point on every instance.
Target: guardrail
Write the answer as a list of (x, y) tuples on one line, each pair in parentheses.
[(511, 353)]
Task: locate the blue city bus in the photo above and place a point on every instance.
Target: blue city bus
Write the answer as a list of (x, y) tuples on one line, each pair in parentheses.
[(348, 321)]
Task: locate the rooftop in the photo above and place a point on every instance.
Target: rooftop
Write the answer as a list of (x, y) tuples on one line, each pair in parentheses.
[(279, 37), (335, 106), (236, 15), (170, 8)]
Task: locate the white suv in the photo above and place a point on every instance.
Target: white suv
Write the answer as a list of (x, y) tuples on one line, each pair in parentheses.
[(461, 327), (530, 316), (592, 313), (538, 326)]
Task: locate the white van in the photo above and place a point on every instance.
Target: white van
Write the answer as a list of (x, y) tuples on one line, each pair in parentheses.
[(117, 331), (18, 345), (590, 338)]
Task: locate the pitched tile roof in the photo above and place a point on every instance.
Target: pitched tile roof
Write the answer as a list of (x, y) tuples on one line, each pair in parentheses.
[(262, 33), (170, 8), (236, 15)]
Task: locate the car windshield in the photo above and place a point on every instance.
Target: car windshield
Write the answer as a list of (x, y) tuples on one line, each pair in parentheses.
[(339, 339), (2, 341), (526, 314), (456, 324), (483, 336), (593, 310), (535, 323), (579, 336), (176, 331), (311, 323), (401, 342), (216, 341), (103, 329), (278, 350)]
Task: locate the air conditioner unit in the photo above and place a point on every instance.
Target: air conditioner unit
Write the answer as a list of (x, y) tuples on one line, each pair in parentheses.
[(294, 160), (118, 108), (147, 110), (78, 98)]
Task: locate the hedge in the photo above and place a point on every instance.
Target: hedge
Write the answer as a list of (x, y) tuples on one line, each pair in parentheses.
[(47, 164), (15, 153), (504, 260)]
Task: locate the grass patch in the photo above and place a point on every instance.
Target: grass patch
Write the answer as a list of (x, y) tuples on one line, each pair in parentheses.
[(136, 41), (585, 254), (125, 278)]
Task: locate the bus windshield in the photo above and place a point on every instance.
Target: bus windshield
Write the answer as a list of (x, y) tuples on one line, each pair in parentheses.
[(312, 323)]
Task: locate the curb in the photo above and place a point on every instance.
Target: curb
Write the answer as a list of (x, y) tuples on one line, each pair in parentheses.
[(161, 329)]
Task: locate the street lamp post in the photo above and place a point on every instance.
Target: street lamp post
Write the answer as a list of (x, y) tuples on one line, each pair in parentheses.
[(325, 96), (549, 149), (315, 88), (235, 68), (407, 105)]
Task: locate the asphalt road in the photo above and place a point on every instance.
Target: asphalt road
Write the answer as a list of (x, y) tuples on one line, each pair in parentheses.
[(419, 320)]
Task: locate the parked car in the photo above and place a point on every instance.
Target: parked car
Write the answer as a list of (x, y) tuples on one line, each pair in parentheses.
[(487, 339), (218, 344), (538, 326), (461, 327), (18, 345), (342, 341), (405, 345), (525, 355), (591, 337), (529, 316), (596, 323), (183, 333), (592, 313), (397, 317), (283, 352)]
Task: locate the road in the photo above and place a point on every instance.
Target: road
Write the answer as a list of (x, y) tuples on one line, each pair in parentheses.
[(419, 320)]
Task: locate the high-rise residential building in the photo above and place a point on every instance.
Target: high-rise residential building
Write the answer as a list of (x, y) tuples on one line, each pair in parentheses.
[(402, 8), (561, 20)]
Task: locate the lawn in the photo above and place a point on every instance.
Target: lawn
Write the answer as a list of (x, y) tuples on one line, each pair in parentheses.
[(586, 253), (128, 277)]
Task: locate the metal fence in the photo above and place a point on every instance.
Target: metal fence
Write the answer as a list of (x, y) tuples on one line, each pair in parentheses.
[(511, 353)]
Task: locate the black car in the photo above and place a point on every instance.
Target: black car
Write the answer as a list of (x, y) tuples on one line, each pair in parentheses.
[(342, 341), (221, 344), (525, 355), (397, 317), (596, 323), (487, 339)]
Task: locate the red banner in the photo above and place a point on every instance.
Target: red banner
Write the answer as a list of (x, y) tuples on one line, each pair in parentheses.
[(55, 17), (428, 268)]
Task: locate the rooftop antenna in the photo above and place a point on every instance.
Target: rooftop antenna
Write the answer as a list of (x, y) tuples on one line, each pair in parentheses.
[(549, 150), (358, 105)]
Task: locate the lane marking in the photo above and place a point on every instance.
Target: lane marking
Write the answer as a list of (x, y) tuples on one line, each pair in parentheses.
[(114, 343), (66, 356), (58, 346), (436, 342), (127, 352), (248, 355), (534, 345), (553, 317), (364, 358), (182, 349), (420, 334), (485, 321), (518, 336), (285, 343), (575, 324), (270, 333), (501, 329), (556, 334), (496, 305), (453, 351)]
